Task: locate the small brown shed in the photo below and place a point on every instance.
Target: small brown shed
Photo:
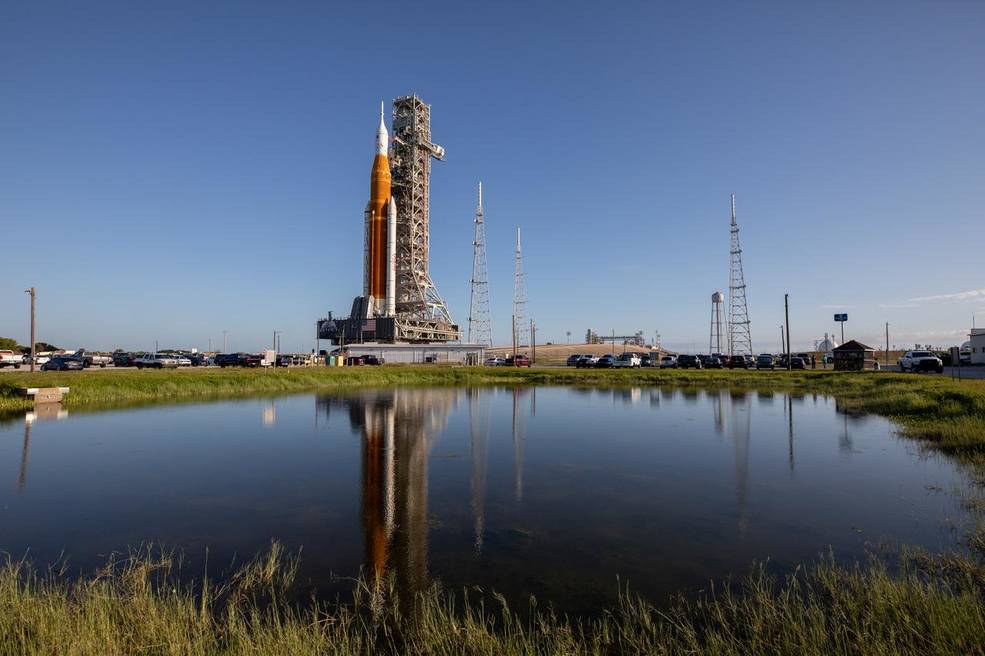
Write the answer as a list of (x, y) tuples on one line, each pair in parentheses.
[(854, 356)]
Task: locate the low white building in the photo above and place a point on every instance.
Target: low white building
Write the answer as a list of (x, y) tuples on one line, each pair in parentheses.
[(976, 343), (437, 353)]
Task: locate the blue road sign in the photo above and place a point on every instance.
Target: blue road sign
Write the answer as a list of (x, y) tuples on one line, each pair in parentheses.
[(841, 317)]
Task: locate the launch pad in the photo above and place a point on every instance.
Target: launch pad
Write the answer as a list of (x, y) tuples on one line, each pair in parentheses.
[(400, 303)]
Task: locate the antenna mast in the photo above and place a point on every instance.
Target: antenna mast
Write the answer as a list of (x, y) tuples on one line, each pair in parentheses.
[(739, 337), (520, 298), (480, 324)]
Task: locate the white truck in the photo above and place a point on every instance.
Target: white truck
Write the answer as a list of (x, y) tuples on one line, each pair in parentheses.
[(11, 359), (93, 359)]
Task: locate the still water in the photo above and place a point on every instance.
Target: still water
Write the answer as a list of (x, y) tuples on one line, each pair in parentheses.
[(546, 491)]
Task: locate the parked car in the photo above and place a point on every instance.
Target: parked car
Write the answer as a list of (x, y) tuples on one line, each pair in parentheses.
[(198, 359), (628, 361), (689, 362), (182, 360), (765, 361), (63, 363), (606, 362), (123, 359), (713, 362), (742, 362), (156, 361), (917, 361), (797, 362), (668, 362), (11, 359), (494, 362), (372, 360), (586, 361), (646, 361), (573, 360), (93, 359), (227, 359), (519, 361), (808, 359)]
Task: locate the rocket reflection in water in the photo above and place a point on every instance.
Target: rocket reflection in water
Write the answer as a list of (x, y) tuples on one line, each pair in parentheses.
[(398, 428)]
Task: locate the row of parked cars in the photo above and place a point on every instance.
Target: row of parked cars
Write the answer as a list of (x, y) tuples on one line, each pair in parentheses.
[(519, 361), (713, 361), (720, 361), (611, 361)]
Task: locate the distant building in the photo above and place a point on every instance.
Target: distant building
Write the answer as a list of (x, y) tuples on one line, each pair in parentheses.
[(854, 356), (827, 344), (976, 344)]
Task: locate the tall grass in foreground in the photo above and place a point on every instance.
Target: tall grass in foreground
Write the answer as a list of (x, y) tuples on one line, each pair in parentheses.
[(137, 605)]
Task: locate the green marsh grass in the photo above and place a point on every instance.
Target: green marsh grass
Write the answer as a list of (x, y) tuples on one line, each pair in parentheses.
[(139, 605)]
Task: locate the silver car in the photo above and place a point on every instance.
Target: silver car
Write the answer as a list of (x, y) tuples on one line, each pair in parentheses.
[(156, 361)]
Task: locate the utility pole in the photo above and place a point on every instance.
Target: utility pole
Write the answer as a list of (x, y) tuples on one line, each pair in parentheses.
[(887, 343), (783, 343), (533, 342), (210, 344), (34, 294), (224, 349), (786, 312)]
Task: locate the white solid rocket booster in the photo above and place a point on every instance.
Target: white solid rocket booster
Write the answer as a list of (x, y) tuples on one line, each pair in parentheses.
[(391, 259)]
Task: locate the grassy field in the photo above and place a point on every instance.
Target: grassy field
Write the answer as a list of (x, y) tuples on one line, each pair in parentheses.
[(139, 605)]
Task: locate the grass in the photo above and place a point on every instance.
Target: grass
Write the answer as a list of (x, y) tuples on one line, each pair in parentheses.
[(139, 605)]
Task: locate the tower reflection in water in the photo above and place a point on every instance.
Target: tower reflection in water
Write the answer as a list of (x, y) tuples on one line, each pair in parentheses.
[(398, 428)]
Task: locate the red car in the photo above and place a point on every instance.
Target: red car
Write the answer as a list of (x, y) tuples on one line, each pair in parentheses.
[(518, 361)]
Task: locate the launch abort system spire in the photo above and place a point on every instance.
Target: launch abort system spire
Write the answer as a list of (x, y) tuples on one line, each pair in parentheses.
[(739, 338), (480, 326)]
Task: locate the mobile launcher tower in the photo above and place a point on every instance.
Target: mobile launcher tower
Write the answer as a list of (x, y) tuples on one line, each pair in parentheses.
[(399, 303)]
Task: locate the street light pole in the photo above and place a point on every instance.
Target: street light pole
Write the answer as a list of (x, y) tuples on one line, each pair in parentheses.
[(34, 294), (224, 350)]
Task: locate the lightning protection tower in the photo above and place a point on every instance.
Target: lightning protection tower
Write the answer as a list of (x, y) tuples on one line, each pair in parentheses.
[(739, 338), (715, 341), (520, 326), (480, 326)]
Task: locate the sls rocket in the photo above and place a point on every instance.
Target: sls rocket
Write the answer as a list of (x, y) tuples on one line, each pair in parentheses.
[(380, 272)]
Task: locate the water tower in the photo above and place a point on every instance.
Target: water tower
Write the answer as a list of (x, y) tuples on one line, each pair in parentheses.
[(715, 341)]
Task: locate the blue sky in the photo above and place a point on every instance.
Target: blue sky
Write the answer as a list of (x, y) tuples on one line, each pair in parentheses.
[(171, 171)]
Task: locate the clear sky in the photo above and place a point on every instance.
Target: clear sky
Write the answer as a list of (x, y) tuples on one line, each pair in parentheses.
[(172, 170)]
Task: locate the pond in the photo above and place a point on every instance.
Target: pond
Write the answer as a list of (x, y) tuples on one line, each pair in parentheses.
[(551, 492)]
